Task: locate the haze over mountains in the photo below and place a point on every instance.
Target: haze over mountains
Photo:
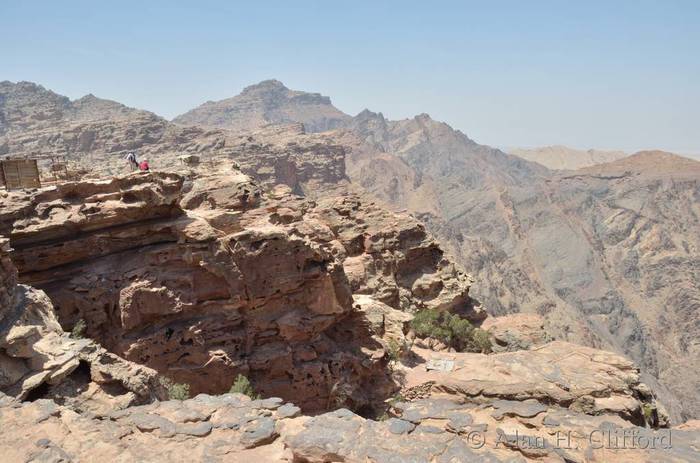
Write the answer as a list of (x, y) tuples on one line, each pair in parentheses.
[(565, 158), (609, 254)]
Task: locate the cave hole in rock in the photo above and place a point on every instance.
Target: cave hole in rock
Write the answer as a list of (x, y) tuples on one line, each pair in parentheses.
[(39, 392), (73, 385)]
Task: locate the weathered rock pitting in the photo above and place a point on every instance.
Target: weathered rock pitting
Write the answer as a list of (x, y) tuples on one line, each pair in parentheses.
[(205, 277), (37, 359)]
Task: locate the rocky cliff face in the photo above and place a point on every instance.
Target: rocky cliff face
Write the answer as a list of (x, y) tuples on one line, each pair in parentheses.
[(39, 360), (556, 402), (516, 227), (205, 278)]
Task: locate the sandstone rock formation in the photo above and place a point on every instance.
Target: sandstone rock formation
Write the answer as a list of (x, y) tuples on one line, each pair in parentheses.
[(557, 373), (37, 359), (534, 240), (565, 158), (559, 402), (207, 277)]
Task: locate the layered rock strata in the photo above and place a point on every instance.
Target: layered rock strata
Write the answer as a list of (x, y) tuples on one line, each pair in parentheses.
[(205, 277), (37, 359)]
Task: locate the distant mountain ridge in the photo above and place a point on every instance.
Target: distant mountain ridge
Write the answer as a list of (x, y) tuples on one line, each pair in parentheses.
[(565, 158), (29, 106)]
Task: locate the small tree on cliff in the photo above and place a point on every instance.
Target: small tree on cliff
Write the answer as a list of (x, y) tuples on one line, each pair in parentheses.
[(452, 330), (176, 391), (242, 385)]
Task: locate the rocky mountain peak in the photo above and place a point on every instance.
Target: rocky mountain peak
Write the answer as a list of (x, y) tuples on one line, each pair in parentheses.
[(366, 115), (269, 85), (91, 108), (267, 102), (26, 106)]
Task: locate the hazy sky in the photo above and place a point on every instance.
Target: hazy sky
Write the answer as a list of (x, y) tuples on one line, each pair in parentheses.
[(607, 74)]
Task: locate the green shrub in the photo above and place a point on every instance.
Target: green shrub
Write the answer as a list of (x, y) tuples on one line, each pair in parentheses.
[(242, 385), (481, 340), (429, 324), (78, 331), (176, 391), (452, 330), (394, 352), (648, 411)]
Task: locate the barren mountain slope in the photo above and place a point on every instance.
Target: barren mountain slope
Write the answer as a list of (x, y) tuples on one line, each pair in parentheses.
[(565, 158), (265, 103), (26, 106), (200, 271), (539, 241)]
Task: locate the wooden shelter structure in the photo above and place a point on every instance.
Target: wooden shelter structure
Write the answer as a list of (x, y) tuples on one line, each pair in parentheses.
[(20, 173)]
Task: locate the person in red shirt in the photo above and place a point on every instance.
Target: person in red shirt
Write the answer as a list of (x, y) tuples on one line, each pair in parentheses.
[(144, 165)]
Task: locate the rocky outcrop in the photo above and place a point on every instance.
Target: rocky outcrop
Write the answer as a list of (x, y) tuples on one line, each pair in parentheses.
[(391, 257), (558, 373), (558, 245), (541, 242), (206, 277), (233, 427), (516, 332), (212, 270), (37, 359), (442, 430)]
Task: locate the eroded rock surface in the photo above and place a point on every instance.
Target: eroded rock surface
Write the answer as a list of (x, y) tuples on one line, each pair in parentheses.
[(205, 277), (233, 427), (558, 373), (516, 331), (37, 359), (216, 270)]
